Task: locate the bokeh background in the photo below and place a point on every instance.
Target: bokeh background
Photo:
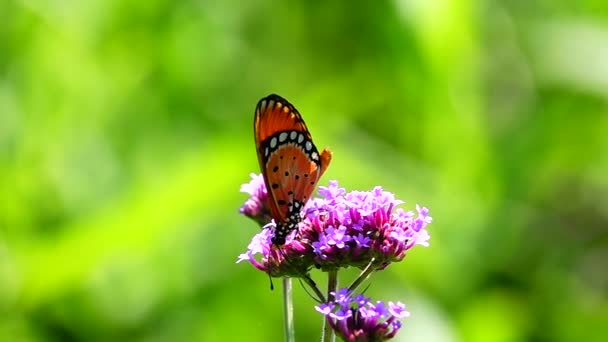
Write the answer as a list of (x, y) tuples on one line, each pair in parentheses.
[(126, 132)]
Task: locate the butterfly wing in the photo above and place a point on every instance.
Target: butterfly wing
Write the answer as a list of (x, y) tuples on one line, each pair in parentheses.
[(290, 162)]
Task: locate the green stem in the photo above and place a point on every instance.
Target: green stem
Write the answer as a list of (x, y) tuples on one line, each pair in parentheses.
[(362, 276), (313, 286), (332, 285), (288, 310)]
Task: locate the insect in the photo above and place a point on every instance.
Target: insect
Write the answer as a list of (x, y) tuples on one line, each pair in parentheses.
[(290, 162)]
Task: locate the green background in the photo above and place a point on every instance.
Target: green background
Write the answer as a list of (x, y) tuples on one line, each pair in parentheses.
[(126, 132)]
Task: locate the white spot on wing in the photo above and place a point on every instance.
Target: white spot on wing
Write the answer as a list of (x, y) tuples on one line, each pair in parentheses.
[(300, 138), (293, 135), (314, 156), (282, 136), (266, 152), (308, 145), (273, 142)]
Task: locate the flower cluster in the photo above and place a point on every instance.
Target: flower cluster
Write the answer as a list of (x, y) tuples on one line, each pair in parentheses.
[(356, 318), (338, 229)]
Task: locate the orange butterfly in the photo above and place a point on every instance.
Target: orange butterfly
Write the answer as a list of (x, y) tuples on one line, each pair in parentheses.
[(290, 162)]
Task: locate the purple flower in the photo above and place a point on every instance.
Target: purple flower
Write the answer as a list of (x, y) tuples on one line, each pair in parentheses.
[(341, 297), (332, 191), (361, 299), (357, 319), (397, 310), (341, 314), (339, 229), (256, 206), (325, 308)]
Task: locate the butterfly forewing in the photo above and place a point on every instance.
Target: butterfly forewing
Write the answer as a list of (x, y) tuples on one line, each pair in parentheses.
[(290, 162), (274, 114)]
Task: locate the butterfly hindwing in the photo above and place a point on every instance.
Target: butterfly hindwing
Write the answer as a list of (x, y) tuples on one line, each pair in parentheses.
[(290, 162), (291, 178)]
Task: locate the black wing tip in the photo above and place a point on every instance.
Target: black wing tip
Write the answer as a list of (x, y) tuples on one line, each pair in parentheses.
[(276, 98)]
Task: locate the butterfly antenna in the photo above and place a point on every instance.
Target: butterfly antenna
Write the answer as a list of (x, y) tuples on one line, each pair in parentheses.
[(311, 283), (271, 284)]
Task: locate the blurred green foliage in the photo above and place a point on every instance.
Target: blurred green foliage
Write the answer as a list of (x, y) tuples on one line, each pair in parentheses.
[(126, 131)]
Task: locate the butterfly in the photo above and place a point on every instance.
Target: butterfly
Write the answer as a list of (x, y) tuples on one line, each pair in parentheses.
[(290, 162)]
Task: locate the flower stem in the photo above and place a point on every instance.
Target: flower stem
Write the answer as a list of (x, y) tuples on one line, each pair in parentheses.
[(362, 276), (313, 286), (332, 285), (288, 310)]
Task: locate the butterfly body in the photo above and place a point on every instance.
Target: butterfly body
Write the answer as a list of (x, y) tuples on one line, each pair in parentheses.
[(289, 160)]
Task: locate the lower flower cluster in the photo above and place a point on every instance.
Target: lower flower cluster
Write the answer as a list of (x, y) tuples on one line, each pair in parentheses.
[(358, 319)]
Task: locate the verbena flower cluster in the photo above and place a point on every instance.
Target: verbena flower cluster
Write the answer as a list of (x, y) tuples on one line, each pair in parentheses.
[(356, 318), (338, 229)]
